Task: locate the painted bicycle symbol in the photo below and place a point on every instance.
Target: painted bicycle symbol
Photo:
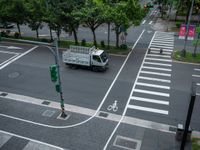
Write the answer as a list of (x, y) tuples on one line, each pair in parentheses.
[(113, 107)]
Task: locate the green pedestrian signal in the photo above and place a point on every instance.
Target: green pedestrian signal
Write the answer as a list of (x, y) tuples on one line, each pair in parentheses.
[(54, 73)]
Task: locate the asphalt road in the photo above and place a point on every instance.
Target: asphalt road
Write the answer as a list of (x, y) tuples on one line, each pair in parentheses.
[(151, 90)]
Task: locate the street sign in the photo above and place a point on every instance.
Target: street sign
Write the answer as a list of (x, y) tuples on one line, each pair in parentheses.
[(191, 32), (182, 32)]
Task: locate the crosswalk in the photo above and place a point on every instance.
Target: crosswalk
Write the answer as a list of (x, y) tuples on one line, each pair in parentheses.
[(151, 92), (10, 141), (196, 78)]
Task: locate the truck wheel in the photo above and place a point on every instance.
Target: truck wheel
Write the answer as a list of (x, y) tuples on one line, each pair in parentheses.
[(95, 69)]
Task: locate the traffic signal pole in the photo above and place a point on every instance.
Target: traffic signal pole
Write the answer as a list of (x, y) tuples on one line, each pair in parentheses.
[(59, 86), (189, 115)]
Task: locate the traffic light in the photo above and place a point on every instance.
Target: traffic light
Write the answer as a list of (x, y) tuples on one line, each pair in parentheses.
[(58, 88), (54, 73)]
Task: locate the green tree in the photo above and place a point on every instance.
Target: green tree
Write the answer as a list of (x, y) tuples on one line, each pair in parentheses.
[(35, 14), (196, 42), (13, 11), (92, 17)]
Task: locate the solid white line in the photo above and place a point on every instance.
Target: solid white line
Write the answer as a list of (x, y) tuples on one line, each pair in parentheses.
[(154, 79), (124, 112), (198, 84), (158, 49), (194, 75), (165, 40), (150, 22), (156, 73), (165, 37), (8, 52), (158, 52), (165, 60), (197, 69), (152, 92), (150, 100), (29, 139), (159, 64), (169, 47), (9, 59), (165, 112), (153, 85), (21, 55), (143, 21), (156, 68), (161, 41), (155, 55)]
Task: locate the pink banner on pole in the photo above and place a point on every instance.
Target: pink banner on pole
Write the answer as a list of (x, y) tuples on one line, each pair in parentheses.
[(182, 32), (191, 32)]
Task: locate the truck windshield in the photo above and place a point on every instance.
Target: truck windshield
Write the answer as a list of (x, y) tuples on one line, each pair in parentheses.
[(104, 57)]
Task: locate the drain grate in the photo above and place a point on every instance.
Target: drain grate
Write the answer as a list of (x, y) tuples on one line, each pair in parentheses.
[(127, 143), (45, 102), (48, 113), (102, 114), (63, 118), (3, 94)]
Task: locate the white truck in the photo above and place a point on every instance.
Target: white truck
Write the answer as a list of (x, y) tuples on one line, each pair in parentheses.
[(93, 58)]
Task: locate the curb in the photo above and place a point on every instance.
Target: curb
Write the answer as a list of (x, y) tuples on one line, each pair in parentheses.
[(182, 62)]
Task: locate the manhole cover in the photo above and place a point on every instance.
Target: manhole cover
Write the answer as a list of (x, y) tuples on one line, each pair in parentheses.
[(45, 102), (13, 75), (127, 143), (4, 94), (48, 113), (102, 114)]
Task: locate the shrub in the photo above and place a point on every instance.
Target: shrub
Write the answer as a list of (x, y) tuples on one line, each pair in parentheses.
[(4, 34), (44, 40), (124, 46), (178, 24), (83, 42), (16, 35), (102, 44)]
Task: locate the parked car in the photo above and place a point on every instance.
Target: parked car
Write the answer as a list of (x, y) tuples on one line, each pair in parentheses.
[(7, 25)]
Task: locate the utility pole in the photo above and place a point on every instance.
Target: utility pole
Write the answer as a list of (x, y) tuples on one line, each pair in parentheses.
[(58, 85), (189, 115), (183, 52)]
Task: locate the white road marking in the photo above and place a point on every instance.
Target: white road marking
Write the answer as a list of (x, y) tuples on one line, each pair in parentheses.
[(158, 49), (159, 64), (143, 22), (165, 42), (126, 107), (156, 68), (197, 69), (8, 52), (43, 35), (29, 139), (156, 73), (198, 84), (158, 52), (157, 59), (150, 22), (154, 79), (160, 46), (152, 92), (9, 59), (150, 100), (10, 47), (194, 75), (155, 55), (153, 85), (165, 112), (16, 58)]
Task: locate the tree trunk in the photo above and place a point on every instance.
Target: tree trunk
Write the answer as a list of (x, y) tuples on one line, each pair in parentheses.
[(94, 38), (37, 34), (108, 35), (58, 34), (51, 36), (18, 27), (117, 39), (75, 36)]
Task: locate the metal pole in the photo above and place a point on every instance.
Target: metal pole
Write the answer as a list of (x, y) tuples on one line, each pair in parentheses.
[(63, 115), (183, 53), (189, 115)]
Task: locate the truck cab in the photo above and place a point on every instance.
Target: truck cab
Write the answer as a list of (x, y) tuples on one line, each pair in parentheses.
[(99, 60)]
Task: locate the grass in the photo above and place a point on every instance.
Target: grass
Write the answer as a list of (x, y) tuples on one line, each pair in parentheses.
[(187, 58), (66, 44), (195, 144)]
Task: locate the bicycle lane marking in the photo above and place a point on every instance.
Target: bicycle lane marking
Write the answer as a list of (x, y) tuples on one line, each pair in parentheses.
[(125, 110), (97, 110)]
